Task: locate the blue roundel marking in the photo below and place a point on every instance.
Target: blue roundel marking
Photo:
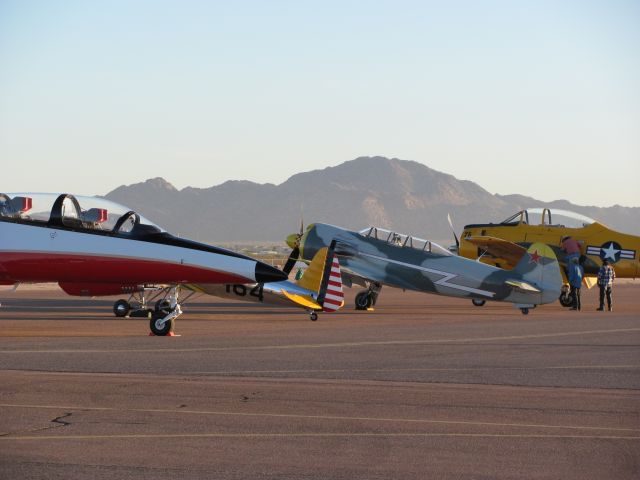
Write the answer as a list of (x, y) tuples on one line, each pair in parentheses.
[(610, 251)]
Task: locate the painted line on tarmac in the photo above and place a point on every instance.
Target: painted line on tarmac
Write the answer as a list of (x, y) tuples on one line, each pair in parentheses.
[(317, 417), (408, 370), (313, 435), (332, 345)]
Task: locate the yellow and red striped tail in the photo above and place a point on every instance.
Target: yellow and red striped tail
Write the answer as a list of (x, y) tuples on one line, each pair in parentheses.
[(334, 296)]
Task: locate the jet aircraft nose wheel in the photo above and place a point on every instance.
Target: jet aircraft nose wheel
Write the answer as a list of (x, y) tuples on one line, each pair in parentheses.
[(478, 303), (363, 300), (121, 308), (158, 328), (313, 316)]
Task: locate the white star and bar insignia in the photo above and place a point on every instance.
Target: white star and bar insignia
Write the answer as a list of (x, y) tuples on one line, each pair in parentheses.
[(611, 251)]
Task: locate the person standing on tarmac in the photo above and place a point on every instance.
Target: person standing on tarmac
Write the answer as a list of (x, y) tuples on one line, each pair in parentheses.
[(576, 272), (606, 276)]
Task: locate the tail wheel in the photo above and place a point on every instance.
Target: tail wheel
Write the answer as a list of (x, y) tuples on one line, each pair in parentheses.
[(478, 303), (121, 308), (363, 300), (159, 329)]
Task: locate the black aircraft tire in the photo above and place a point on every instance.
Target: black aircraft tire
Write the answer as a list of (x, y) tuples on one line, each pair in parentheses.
[(160, 331), (363, 300), (313, 316), (565, 299), (525, 311), (478, 303), (121, 308)]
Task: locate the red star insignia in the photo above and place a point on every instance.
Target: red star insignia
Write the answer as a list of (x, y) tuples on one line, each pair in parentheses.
[(534, 257)]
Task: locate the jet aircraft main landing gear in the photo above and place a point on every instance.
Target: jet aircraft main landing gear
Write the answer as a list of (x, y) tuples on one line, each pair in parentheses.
[(161, 317), (477, 302), (136, 305), (121, 308)]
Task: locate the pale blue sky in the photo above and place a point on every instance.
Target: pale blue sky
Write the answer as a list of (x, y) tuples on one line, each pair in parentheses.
[(534, 97)]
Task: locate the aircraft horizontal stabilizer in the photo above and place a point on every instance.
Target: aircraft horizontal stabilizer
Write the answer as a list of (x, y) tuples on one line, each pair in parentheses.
[(523, 286), (302, 300), (323, 276)]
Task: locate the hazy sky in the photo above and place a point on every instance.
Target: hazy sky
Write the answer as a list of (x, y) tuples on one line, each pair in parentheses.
[(534, 97)]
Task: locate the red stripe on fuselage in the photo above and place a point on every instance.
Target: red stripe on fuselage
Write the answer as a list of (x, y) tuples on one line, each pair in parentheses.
[(48, 267)]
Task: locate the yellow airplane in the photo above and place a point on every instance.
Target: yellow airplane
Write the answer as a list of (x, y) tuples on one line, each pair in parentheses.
[(503, 244)]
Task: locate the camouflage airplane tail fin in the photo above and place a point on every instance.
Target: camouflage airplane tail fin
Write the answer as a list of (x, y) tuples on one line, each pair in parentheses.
[(323, 276), (537, 275)]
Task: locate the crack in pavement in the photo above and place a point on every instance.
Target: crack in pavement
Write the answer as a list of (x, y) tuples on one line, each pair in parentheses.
[(58, 421)]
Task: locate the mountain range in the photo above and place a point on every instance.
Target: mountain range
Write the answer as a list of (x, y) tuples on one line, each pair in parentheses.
[(401, 195)]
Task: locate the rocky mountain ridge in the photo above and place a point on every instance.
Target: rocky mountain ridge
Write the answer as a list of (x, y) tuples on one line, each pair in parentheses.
[(401, 195)]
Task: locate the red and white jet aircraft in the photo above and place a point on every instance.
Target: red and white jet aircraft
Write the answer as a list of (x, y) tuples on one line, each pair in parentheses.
[(91, 246)]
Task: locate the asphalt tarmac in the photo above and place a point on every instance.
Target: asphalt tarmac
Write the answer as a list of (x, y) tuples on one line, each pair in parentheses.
[(422, 387)]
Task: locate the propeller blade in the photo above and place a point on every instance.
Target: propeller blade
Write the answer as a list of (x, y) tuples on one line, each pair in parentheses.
[(291, 261), (293, 241), (454, 233)]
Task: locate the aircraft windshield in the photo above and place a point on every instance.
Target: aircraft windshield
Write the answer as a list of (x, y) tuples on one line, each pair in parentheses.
[(403, 240), (550, 217), (76, 211)]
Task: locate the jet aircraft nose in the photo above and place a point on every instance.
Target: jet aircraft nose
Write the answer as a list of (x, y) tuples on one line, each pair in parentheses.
[(266, 273)]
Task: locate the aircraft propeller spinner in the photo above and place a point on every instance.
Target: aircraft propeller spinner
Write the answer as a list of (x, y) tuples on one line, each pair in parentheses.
[(293, 241)]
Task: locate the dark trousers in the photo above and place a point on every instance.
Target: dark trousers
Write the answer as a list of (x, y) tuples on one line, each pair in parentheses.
[(575, 298), (605, 290)]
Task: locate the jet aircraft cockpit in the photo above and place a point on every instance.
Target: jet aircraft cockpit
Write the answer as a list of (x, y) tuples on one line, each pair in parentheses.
[(549, 217), (403, 240), (67, 211)]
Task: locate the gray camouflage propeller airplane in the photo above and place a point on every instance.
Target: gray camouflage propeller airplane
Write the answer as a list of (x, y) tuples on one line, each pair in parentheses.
[(374, 257)]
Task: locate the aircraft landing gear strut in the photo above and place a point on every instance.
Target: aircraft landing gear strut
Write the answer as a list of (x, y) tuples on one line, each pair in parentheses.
[(136, 305), (565, 297), (367, 298)]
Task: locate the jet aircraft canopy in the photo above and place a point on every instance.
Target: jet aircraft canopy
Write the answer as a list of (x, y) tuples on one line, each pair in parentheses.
[(403, 240), (549, 217), (76, 212)]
